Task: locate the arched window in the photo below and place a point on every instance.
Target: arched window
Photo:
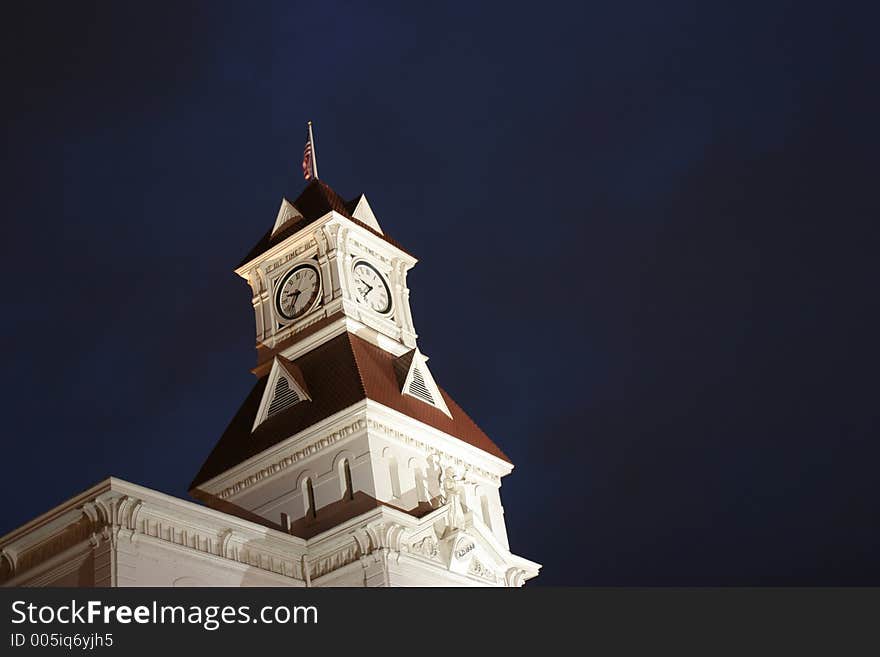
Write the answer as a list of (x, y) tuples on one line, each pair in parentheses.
[(487, 515), (309, 498), (420, 480), (348, 494), (394, 471)]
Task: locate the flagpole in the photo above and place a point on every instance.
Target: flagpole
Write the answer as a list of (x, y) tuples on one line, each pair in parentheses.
[(314, 153)]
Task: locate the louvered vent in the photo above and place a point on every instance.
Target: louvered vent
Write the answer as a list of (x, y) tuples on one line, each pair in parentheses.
[(417, 387), (284, 397)]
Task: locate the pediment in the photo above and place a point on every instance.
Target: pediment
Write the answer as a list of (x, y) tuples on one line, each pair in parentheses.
[(466, 550), (416, 380), (287, 213), (364, 213), (285, 388), (468, 553)]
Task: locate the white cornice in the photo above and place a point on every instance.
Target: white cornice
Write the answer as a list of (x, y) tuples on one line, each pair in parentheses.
[(334, 329), (130, 514), (58, 511), (370, 239), (284, 245), (172, 505), (118, 510), (286, 453), (440, 440), (365, 415)]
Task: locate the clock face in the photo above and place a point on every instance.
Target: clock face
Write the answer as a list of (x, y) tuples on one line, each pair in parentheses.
[(370, 288), (297, 291)]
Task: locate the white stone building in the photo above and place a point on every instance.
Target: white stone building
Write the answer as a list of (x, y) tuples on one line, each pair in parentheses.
[(345, 466)]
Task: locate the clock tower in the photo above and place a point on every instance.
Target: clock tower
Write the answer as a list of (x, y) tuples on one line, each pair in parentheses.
[(346, 440)]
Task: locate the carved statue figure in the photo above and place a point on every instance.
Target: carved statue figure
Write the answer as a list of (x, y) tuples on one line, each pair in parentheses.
[(452, 493)]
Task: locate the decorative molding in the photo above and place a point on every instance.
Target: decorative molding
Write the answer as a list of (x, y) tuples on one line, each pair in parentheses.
[(290, 459), (355, 242), (225, 544), (331, 439), (327, 564), (429, 449), (300, 249), (72, 529), (427, 547), (7, 566), (385, 536), (53, 572), (130, 515), (110, 516), (516, 577), (321, 312), (477, 569)]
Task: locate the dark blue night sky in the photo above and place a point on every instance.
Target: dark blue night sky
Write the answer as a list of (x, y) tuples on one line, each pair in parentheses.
[(648, 240)]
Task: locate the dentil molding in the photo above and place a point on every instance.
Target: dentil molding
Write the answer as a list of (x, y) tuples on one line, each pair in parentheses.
[(331, 439)]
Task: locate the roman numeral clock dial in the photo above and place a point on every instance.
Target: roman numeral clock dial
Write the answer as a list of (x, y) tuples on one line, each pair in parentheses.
[(298, 292), (370, 288)]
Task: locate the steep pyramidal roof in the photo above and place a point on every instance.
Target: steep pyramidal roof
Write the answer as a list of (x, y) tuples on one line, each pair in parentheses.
[(316, 200), (339, 373)]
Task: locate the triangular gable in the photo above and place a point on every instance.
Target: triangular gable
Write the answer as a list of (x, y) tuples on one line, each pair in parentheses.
[(286, 213), (343, 371), (364, 213), (415, 379), (315, 201), (285, 388)]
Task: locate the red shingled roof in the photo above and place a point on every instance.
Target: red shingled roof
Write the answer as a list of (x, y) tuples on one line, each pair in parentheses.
[(316, 200), (376, 367), (339, 373)]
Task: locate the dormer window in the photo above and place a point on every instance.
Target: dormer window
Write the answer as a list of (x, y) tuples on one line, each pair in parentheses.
[(285, 388), (416, 381)]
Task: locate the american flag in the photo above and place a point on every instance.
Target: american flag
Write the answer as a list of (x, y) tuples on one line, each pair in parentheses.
[(308, 169)]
